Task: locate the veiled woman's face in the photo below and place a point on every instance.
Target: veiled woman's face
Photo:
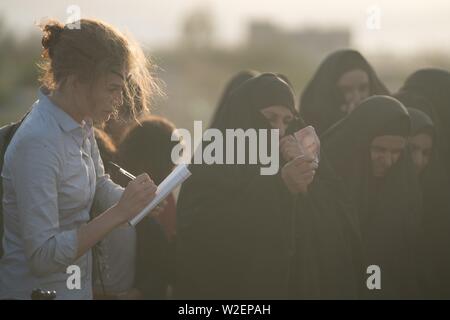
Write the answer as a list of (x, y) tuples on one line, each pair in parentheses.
[(421, 146), (354, 86), (279, 117), (385, 152)]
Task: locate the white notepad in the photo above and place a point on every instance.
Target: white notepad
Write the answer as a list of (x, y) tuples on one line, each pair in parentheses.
[(173, 180)]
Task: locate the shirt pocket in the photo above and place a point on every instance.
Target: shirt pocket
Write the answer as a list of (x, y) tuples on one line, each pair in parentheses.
[(75, 189)]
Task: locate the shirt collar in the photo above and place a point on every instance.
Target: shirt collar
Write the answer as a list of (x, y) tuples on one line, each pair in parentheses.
[(66, 122), (80, 131)]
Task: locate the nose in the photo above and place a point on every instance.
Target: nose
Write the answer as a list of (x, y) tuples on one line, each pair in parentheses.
[(419, 159), (282, 127), (356, 96), (388, 160), (118, 99)]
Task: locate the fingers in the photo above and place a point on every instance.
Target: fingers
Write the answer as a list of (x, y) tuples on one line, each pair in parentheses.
[(289, 148), (309, 159), (162, 205), (155, 213), (146, 193), (303, 172), (306, 161), (141, 181), (158, 210), (287, 140), (308, 176), (291, 153), (142, 178), (306, 172), (136, 196), (141, 189), (149, 187)]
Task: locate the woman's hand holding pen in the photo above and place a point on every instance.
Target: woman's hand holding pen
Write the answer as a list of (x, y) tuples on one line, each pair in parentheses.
[(135, 197)]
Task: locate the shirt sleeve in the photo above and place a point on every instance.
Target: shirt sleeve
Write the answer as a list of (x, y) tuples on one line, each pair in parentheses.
[(35, 167), (107, 193)]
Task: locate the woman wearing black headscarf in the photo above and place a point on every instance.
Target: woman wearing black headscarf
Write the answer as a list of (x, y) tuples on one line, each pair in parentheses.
[(436, 203), (343, 80), (246, 235), (368, 150), (434, 86)]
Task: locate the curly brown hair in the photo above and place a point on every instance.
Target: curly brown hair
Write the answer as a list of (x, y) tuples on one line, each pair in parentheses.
[(92, 50)]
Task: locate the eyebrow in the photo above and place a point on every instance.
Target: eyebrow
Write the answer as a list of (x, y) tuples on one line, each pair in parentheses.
[(118, 74), (115, 85), (269, 112), (121, 76), (125, 78), (419, 146)]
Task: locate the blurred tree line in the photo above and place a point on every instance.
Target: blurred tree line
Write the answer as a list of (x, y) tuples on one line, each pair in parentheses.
[(194, 71), (18, 72)]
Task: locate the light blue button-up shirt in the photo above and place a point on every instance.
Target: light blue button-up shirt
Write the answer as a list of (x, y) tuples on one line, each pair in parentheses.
[(52, 175)]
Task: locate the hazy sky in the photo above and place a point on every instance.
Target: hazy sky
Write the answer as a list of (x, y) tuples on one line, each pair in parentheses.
[(405, 25)]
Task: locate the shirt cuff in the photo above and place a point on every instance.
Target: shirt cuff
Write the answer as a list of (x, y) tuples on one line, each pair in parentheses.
[(66, 247)]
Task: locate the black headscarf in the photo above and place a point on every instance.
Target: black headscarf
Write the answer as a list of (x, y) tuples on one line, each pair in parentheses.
[(255, 94), (237, 235), (321, 100), (388, 207), (433, 86), (232, 84), (420, 122)]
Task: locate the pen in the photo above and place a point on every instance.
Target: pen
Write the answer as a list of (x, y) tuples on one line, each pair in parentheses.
[(123, 171)]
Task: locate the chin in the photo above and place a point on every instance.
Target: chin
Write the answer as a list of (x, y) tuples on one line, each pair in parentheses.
[(101, 120), (104, 116)]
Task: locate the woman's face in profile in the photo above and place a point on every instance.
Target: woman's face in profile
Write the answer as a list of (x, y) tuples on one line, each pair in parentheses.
[(354, 87), (421, 146), (279, 117), (106, 96), (385, 152)]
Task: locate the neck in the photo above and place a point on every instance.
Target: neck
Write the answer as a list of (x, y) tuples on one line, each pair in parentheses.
[(61, 101)]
